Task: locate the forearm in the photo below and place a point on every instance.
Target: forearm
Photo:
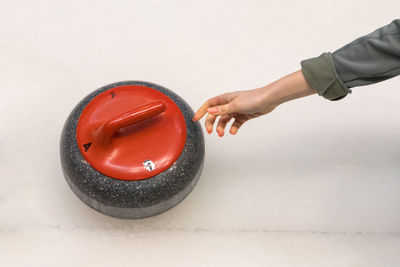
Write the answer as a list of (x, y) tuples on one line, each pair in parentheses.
[(290, 87)]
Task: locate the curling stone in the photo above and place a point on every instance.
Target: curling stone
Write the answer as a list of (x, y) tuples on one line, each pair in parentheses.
[(131, 149)]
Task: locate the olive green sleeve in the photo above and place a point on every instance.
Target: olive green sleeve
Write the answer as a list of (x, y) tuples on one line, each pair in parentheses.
[(321, 75), (369, 59)]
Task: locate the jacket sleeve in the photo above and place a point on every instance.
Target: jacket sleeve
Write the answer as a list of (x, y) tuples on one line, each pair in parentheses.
[(369, 59)]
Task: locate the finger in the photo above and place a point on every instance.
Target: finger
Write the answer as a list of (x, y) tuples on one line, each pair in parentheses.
[(235, 126), (223, 120), (221, 110), (201, 111), (212, 102), (210, 122)]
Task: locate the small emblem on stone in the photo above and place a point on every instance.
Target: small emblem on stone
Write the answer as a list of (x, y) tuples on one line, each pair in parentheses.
[(149, 165), (87, 146)]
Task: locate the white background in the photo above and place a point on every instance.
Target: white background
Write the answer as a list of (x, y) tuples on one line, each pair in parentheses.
[(315, 183)]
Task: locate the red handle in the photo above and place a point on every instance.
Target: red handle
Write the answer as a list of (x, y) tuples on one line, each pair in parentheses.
[(106, 131)]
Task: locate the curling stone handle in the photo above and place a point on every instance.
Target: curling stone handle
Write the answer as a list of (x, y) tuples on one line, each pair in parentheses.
[(152, 109)]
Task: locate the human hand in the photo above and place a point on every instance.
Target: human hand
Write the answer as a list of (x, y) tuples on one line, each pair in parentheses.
[(245, 105), (240, 106)]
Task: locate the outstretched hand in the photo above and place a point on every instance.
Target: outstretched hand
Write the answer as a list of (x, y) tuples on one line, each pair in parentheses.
[(240, 106), (245, 105)]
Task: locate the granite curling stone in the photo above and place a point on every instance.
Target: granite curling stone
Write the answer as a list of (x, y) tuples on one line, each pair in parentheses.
[(131, 149)]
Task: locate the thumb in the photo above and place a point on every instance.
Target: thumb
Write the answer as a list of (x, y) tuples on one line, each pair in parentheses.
[(220, 110)]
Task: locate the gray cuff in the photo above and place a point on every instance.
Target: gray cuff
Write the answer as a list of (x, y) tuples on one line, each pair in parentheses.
[(321, 75)]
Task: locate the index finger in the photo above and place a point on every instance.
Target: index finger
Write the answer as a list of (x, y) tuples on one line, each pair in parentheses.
[(215, 101), (201, 111)]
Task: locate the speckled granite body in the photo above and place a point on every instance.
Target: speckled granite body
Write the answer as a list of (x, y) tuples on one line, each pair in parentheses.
[(133, 199)]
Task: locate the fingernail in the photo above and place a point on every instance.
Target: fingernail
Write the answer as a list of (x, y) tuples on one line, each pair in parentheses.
[(212, 110)]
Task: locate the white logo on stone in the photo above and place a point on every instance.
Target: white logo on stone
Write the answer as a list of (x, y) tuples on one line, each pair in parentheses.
[(149, 165)]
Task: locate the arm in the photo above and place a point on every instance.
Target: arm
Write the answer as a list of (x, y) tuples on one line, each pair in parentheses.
[(369, 59)]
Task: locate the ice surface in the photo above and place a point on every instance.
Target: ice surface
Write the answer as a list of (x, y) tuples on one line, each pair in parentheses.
[(315, 183)]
